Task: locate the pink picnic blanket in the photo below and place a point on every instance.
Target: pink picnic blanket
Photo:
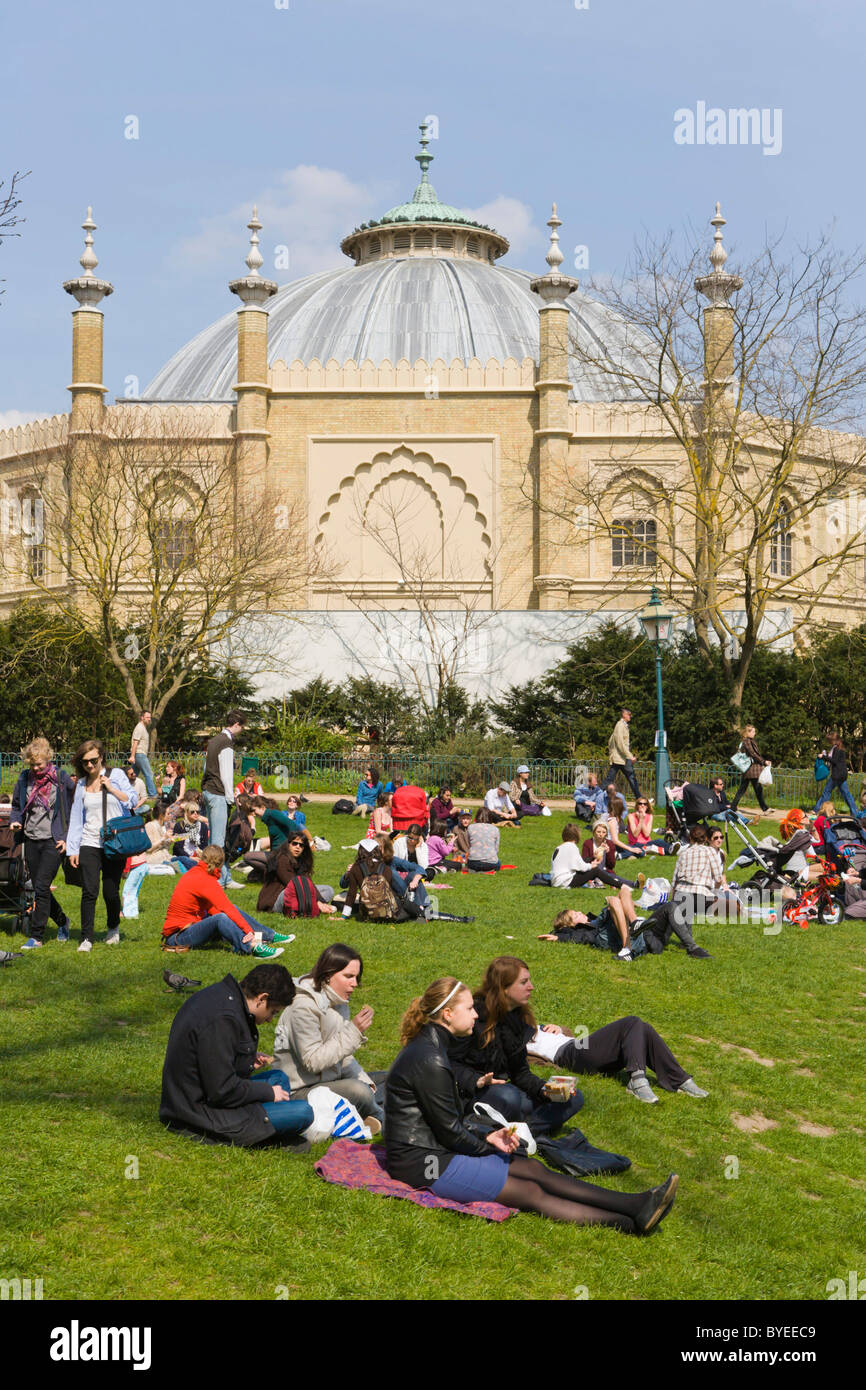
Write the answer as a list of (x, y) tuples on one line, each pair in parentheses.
[(358, 1165)]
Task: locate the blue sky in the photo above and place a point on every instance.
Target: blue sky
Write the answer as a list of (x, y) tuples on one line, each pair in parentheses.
[(312, 112)]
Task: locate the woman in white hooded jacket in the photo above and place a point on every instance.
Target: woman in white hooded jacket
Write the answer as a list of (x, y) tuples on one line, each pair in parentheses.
[(315, 1039)]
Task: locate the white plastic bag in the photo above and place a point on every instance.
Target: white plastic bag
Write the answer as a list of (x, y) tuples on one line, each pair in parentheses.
[(321, 844), (655, 891), (333, 1115), (521, 1130), (765, 776)]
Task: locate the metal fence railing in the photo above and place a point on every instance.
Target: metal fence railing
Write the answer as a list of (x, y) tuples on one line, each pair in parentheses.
[(340, 774)]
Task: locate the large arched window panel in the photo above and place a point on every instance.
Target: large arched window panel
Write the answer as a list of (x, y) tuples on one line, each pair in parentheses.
[(174, 534), (782, 544)]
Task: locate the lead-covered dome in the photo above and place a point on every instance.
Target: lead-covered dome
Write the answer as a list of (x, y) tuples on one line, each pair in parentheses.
[(425, 287)]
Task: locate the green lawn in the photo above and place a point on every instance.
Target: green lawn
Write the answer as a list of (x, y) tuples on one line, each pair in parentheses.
[(772, 1026)]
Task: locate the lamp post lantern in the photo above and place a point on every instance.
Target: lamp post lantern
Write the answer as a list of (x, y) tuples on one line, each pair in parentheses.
[(657, 624)]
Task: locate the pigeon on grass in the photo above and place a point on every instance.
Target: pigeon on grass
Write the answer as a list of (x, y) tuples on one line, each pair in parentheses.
[(7, 957), (179, 982)]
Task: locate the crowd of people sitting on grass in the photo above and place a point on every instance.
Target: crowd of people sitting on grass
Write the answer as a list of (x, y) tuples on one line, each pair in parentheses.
[(460, 1108), (411, 838)]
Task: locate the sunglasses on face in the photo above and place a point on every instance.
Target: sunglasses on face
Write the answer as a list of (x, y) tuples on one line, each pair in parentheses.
[(90, 762)]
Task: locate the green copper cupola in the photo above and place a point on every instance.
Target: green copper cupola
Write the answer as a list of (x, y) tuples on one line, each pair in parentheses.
[(424, 227)]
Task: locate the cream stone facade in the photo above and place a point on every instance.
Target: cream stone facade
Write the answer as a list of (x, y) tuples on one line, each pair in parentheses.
[(425, 408)]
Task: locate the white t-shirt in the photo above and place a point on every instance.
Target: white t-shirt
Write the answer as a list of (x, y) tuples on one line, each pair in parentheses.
[(140, 732), (91, 834), (545, 1045), (566, 862), (495, 800)]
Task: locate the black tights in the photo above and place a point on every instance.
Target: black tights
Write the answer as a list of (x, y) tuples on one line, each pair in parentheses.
[(584, 876), (533, 1187)]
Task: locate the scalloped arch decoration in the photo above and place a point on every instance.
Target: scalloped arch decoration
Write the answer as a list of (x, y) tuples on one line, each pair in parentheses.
[(401, 513)]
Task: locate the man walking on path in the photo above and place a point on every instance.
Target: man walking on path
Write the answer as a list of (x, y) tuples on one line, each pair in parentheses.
[(139, 748), (838, 779), (620, 753), (217, 785)]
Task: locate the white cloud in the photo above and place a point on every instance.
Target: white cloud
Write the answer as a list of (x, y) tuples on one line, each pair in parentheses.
[(514, 220), (308, 209), (11, 419)]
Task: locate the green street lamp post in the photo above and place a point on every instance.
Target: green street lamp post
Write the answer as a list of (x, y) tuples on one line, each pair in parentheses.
[(657, 626)]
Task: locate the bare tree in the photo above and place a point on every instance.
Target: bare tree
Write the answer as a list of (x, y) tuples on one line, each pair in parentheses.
[(151, 533), (10, 201), (762, 509)]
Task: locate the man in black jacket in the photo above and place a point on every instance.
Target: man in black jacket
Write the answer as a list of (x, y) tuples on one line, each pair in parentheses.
[(838, 779), (207, 1088)]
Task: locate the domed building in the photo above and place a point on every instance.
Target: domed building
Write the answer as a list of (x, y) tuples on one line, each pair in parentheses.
[(429, 408)]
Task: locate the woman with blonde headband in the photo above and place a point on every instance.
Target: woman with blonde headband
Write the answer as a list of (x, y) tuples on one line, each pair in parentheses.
[(428, 1145)]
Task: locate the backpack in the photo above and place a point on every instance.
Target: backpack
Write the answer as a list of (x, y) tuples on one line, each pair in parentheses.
[(300, 898), (376, 899), (343, 807)]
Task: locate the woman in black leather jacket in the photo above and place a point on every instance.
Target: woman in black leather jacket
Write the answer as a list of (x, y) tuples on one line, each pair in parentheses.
[(428, 1145)]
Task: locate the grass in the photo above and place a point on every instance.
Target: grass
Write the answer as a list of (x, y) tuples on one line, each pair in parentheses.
[(772, 1026)]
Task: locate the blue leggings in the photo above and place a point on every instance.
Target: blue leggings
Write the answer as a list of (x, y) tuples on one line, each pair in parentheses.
[(286, 1116)]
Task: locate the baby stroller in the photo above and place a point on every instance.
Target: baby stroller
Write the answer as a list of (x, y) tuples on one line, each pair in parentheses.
[(16, 893), (845, 843), (698, 803)]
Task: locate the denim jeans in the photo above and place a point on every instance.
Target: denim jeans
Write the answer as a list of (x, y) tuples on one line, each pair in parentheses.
[(627, 770), (836, 786), (217, 812), (406, 870), (286, 1116), (142, 763), (219, 924), (543, 1117)]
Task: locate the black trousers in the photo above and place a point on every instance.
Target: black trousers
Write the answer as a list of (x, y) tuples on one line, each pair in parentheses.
[(745, 783), (583, 876), (627, 770), (629, 1044), (43, 859), (93, 863)]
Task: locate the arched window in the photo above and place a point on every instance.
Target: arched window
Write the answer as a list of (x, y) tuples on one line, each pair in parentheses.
[(781, 544), (633, 544)]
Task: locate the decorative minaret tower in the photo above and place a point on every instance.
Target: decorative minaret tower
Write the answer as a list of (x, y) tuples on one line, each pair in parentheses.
[(252, 384), (553, 386), (86, 386), (719, 317)]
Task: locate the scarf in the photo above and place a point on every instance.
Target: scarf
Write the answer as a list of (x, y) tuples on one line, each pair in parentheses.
[(42, 783)]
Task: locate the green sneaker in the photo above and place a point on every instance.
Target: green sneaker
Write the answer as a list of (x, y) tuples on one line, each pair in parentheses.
[(281, 939), (262, 952)]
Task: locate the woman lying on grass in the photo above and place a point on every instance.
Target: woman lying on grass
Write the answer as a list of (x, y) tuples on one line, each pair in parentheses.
[(609, 931), (428, 1145)]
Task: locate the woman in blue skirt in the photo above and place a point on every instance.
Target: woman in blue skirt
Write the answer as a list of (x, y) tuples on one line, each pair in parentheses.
[(428, 1145)]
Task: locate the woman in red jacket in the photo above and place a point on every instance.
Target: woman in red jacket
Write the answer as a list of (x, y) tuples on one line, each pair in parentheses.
[(200, 910)]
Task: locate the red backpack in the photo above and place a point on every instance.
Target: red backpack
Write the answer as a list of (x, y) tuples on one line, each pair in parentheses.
[(300, 898)]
